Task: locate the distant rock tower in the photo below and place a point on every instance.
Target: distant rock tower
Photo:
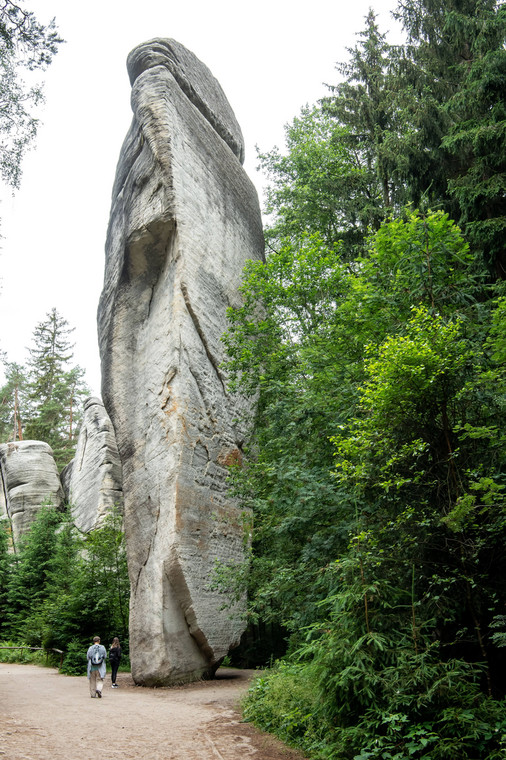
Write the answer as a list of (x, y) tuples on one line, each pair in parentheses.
[(92, 482), (28, 480), (184, 220)]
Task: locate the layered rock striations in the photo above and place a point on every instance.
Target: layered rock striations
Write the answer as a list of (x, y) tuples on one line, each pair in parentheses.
[(184, 220), (29, 478), (92, 482)]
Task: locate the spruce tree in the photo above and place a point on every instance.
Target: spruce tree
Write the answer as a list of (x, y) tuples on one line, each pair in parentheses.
[(28, 581), (454, 65), (5, 564), (13, 402), (54, 388), (367, 104), (477, 143)]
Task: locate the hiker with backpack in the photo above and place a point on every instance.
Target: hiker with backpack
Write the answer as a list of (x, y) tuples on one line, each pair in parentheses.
[(96, 667)]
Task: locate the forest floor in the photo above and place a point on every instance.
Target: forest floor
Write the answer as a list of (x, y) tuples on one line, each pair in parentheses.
[(48, 716)]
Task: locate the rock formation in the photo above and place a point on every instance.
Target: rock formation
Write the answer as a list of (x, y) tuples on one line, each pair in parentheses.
[(29, 478), (3, 501), (184, 220), (92, 481)]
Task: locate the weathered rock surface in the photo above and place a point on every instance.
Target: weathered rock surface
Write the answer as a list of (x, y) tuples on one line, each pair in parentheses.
[(29, 478), (92, 482), (184, 219), (3, 501)]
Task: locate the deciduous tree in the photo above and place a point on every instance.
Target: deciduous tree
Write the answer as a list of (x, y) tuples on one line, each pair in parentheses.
[(26, 46)]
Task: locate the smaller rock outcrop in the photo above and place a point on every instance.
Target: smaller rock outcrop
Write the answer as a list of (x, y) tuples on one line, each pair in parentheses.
[(29, 479), (92, 482)]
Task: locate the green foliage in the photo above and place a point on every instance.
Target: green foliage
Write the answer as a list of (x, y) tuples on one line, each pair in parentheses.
[(477, 142), (74, 662), (63, 587), (11, 651), (5, 565), (286, 701), (454, 66), (368, 103), (94, 596), (30, 577), (42, 402), (317, 184), (26, 45), (52, 388), (372, 681), (394, 360), (342, 169), (497, 337), (13, 399), (375, 473), (281, 342)]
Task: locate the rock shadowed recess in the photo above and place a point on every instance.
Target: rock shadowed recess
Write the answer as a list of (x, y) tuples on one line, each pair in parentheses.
[(29, 478), (92, 482), (184, 220)]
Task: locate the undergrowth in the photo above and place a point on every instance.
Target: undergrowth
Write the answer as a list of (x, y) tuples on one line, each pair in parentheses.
[(20, 652), (454, 721)]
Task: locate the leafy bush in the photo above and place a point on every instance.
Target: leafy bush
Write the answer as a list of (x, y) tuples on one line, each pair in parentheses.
[(285, 701), (74, 661), (405, 723)]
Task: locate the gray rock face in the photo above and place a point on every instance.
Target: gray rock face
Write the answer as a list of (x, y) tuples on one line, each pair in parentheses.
[(3, 501), (29, 478), (184, 219), (92, 482)]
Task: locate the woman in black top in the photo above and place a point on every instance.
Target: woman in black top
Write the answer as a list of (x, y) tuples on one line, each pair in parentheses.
[(114, 658)]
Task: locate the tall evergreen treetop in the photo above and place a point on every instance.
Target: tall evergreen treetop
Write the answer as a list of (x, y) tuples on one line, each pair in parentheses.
[(51, 352), (366, 104), (55, 387)]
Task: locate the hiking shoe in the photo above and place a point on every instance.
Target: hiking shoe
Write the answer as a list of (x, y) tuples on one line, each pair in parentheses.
[(99, 694)]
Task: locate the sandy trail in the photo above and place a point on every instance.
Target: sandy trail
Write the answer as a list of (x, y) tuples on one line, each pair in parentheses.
[(48, 716)]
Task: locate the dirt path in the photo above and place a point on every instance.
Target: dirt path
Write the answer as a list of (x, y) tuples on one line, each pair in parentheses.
[(48, 716)]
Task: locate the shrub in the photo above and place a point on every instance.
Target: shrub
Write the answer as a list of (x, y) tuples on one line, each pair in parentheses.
[(74, 662), (285, 702)]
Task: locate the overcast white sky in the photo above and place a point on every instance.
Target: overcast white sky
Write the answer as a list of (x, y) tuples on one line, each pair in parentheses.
[(270, 56)]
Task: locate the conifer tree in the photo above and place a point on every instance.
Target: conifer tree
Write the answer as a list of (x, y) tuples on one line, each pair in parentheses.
[(454, 66), (32, 568), (13, 402), (5, 562), (367, 104), (54, 387), (476, 142)]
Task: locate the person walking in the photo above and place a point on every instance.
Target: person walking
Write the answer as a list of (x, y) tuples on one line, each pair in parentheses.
[(96, 667), (114, 659)]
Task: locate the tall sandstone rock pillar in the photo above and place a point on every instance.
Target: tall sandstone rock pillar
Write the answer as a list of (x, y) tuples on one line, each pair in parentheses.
[(184, 220)]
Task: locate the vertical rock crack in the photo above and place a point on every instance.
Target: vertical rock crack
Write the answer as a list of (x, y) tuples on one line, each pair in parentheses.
[(200, 332)]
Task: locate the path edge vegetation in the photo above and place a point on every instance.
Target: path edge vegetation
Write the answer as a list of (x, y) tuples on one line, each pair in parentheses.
[(373, 338)]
